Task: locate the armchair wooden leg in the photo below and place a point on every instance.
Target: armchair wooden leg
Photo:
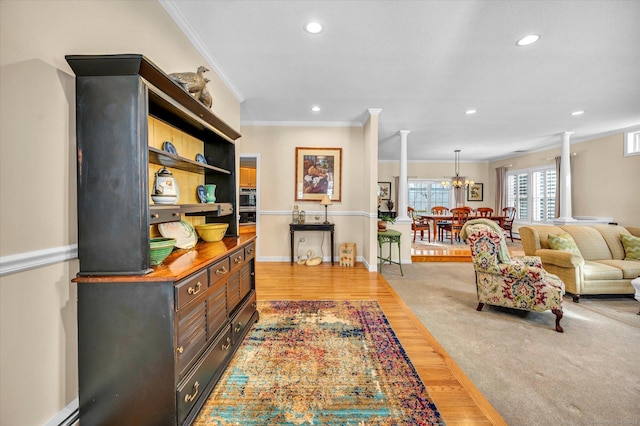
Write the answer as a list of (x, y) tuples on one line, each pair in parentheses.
[(558, 314), (480, 306)]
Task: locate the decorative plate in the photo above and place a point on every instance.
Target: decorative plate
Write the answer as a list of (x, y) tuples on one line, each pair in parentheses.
[(202, 193), (200, 159), (168, 147), (182, 231)]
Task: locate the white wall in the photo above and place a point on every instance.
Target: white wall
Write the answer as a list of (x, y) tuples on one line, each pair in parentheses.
[(276, 147), (38, 332), (604, 180)]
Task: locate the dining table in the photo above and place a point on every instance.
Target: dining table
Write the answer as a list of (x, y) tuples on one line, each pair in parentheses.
[(435, 218)]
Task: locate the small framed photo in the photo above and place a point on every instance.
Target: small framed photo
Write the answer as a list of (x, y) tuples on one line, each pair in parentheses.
[(384, 190), (475, 192)]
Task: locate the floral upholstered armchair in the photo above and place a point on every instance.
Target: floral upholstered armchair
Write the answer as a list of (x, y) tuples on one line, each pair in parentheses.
[(518, 282)]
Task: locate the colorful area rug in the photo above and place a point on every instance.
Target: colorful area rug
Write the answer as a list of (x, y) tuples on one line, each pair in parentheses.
[(322, 363)]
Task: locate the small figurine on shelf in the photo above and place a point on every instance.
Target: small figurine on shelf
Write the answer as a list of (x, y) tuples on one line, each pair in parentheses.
[(205, 96)]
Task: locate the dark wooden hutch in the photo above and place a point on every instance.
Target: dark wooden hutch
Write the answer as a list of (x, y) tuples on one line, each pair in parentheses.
[(152, 341)]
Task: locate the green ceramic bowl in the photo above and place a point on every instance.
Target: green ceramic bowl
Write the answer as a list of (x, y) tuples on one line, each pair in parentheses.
[(160, 249)]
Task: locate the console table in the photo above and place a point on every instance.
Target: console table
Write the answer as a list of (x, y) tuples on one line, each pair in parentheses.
[(311, 226)]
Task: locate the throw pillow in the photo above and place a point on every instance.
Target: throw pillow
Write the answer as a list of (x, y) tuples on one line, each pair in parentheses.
[(631, 246), (563, 242)]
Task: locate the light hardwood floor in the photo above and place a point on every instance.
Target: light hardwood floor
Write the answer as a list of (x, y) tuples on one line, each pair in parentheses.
[(457, 399)]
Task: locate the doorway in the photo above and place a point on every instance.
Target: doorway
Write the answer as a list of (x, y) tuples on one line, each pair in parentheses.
[(249, 183)]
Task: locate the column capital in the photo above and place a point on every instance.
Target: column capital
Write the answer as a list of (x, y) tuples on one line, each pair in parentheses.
[(374, 111), (405, 132)]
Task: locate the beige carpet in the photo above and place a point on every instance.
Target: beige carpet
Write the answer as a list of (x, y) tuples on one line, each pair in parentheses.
[(532, 375)]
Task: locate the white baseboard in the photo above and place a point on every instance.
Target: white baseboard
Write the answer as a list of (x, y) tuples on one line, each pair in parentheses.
[(68, 416)]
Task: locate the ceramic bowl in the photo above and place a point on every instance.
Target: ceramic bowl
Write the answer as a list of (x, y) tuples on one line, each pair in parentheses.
[(160, 249), (211, 232)]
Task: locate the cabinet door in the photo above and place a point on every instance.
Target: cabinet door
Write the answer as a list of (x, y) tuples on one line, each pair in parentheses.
[(192, 334), (233, 292), (216, 308), (246, 279)]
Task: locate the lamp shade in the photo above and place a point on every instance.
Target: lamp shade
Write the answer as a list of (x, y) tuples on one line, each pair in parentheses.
[(326, 201)]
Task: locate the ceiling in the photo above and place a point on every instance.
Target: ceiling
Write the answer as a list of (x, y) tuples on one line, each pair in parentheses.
[(424, 63)]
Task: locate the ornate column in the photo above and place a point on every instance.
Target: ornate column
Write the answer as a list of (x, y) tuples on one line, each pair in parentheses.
[(403, 191), (565, 180)]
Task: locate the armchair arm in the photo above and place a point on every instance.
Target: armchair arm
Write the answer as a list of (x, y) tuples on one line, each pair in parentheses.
[(563, 259), (528, 260), (517, 271)]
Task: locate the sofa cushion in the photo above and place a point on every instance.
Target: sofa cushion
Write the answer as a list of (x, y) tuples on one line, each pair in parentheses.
[(594, 271), (630, 268), (590, 241), (611, 234), (631, 246), (563, 242)]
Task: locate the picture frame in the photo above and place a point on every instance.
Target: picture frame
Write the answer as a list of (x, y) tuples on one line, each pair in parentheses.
[(318, 173), (475, 192), (384, 191)]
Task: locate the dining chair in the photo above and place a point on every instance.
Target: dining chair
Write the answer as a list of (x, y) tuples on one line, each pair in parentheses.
[(418, 225), (507, 224), (459, 218), (440, 210), (484, 211)]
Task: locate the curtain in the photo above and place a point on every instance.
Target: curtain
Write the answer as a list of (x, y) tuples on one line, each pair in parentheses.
[(458, 193), (558, 159), (501, 182)]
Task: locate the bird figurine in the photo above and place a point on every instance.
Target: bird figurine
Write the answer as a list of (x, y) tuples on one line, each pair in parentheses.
[(205, 96), (192, 82)]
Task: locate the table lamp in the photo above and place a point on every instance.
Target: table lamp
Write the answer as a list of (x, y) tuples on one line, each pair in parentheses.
[(326, 201)]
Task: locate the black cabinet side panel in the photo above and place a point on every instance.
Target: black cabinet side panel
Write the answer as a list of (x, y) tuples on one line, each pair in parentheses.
[(126, 354), (113, 221)]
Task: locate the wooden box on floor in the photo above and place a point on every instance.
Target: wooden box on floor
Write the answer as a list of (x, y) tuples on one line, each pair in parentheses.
[(347, 254)]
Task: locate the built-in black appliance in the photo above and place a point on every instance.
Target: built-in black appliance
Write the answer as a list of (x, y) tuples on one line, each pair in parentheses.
[(248, 204)]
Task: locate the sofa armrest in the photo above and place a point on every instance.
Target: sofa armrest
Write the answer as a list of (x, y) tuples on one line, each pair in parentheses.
[(560, 258)]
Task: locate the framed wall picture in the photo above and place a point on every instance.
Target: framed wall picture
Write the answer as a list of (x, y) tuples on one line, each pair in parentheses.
[(318, 173), (384, 190), (475, 192)]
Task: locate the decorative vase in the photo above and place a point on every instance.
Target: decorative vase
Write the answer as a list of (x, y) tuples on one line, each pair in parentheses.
[(382, 225), (211, 193)]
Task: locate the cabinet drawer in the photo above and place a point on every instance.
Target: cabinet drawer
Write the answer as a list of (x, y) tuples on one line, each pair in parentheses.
[(193, 387), (191, 333), (216, 308), (190, 288), (249, 251), (241, 320), (237, 259), (161, 214), (219, 270)]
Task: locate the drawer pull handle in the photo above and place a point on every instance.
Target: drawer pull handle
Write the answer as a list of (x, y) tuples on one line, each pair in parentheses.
[(237, 259), (221, 271), (227, 346), (238, 327), (191, 290), (254, 305), (180, 349), (250, 251), (188, 397)]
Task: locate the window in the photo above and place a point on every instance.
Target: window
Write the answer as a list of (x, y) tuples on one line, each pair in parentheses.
[(533, 193), (424, 194), (632, 143)]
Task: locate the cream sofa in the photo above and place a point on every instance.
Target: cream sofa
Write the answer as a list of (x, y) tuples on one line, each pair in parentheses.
[(600, 270)]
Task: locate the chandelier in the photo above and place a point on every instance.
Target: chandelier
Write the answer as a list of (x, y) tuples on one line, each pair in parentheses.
[(456, 181)]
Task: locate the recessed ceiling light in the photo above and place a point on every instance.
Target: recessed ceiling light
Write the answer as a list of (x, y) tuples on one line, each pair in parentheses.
[(315, 108), (577, 113), (527, 40), (470, 111), (313, 27)]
